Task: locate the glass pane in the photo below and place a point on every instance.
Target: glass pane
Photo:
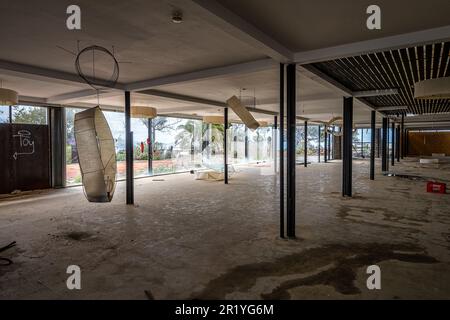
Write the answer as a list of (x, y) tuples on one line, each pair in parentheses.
[(29, 114), (4, 114), (212, 155), (237, 144), (140, 143), (73, 174), (116, 122), (300, 143), (313, 143)]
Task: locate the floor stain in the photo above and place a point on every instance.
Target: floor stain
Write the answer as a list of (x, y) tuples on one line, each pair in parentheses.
[(78, 235), (346, 260)]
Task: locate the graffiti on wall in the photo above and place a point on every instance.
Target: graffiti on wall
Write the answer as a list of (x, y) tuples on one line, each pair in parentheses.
[(26, 143)]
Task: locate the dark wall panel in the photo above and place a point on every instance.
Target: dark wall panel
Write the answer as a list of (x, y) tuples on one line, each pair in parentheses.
[(426, 143), (24, 157)]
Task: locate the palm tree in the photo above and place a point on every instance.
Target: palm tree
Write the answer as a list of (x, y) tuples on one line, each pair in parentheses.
[(212, 135), (186, 136)]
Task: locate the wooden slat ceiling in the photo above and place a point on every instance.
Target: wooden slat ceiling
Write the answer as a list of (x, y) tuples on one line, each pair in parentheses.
[(394, 69)]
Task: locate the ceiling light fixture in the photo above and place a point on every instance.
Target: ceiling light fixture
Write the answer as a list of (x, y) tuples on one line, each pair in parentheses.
[(143, 112), (374, 93), (438, 88), (8, 97), (213, 119)]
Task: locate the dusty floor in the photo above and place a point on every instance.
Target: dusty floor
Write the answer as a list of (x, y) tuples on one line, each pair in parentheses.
[(197, 239)]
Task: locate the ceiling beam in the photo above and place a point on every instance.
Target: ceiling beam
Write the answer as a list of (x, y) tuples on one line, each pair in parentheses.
[(391, 108), (240, 68), (31, 100), (374, 93), (104, 107), (423, 37), (318, 76), (178, 110), (82, 94), (181, 97), (42, 74), (240, 28), (211, 103)]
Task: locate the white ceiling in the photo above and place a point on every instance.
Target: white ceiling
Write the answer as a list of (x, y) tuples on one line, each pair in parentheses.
[(150, 46)]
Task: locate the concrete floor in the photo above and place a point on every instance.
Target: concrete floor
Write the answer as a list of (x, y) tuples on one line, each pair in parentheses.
[(197, 239)]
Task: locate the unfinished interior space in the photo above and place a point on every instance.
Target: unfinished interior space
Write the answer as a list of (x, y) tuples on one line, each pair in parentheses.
[(224, 149)]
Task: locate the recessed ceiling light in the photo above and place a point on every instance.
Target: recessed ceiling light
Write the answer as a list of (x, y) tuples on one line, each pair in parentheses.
[(177, 17)]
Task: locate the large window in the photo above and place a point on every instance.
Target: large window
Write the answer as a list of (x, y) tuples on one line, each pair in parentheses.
[(361, 143), (23, 114), (312, 143), (176, 145), (168, 145)]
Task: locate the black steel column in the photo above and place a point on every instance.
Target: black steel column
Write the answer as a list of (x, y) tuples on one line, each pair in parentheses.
[(384, 146), (372, 145), (129, 150), (282, 150), (225, 145), (397, 144), (57, 124), (275, 128), (291, 126), (246, 144), (319, 143), (378, 137), (402, 138), (347, 147), (150, 145), (329, 146), (306, 145), (388, 149), (325, 147), (393, 144), (406, 142)]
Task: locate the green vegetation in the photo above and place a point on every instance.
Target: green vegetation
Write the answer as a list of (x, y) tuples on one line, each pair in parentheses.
[(31, 115)]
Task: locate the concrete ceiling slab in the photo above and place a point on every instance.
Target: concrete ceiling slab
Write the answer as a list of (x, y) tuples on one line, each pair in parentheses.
[(145, 39), (303, 25)]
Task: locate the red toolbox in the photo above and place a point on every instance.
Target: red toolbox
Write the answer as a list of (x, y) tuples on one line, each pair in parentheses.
[(436, 187)]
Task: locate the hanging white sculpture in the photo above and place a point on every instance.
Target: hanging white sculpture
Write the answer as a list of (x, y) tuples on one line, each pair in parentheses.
[(96, 155)]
